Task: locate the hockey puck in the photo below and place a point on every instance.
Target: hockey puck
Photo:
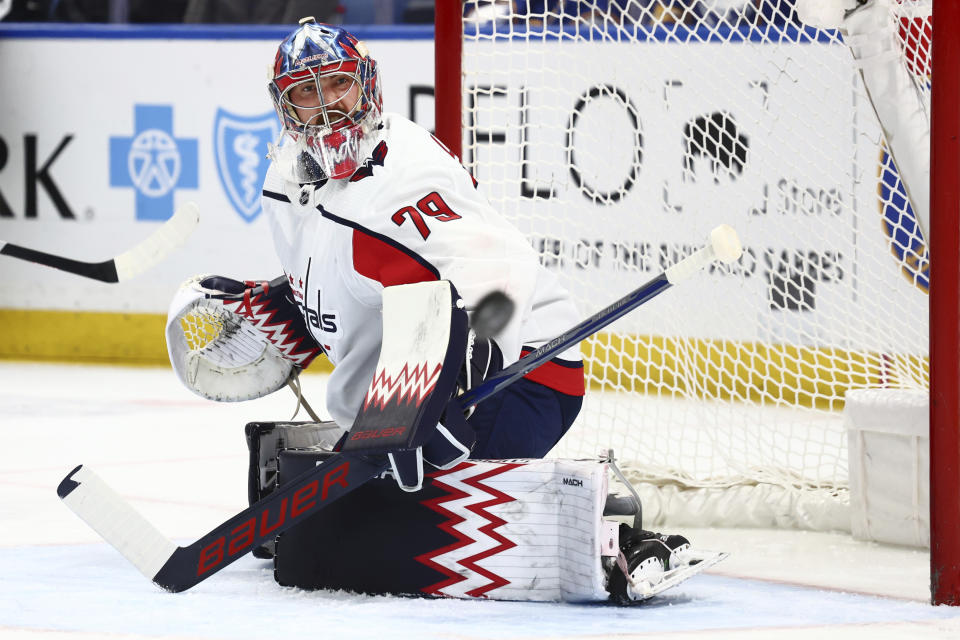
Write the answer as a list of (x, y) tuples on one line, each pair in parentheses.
[(491, 314)]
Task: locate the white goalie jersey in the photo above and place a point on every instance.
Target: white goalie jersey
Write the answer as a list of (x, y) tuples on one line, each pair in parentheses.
[(409, 214)]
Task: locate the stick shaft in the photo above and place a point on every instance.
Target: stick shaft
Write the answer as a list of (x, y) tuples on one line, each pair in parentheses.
[(290, 504)]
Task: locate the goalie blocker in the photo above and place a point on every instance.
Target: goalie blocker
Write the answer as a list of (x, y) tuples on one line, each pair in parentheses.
[(505, 530)]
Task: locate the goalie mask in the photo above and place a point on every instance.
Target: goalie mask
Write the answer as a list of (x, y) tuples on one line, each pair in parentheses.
[(326, 90)]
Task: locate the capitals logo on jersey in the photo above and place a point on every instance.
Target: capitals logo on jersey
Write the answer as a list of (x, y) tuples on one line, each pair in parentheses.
[(325, 320), (324, 323)]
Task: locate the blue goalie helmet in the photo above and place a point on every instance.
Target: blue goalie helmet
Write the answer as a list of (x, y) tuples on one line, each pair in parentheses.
[(326, 90)]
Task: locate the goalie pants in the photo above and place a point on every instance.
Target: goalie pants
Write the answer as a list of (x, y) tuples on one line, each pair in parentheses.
[(525, 420)]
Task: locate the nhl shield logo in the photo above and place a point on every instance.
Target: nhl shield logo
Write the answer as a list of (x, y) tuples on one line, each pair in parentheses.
[(240, 148)]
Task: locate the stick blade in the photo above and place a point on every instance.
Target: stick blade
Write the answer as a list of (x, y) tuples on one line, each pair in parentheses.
[(156, 247), (116, 521), (695, 562), (105, 271)]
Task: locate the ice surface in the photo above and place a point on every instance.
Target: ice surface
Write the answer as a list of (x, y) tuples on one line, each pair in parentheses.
[(182, 462)]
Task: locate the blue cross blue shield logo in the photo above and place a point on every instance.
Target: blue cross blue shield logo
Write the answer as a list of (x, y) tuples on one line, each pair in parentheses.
[(240, 152), (153, 161)]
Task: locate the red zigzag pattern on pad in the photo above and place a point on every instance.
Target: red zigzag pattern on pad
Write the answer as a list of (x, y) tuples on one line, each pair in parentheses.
[(462, 539), (408, 385), (278, 331)]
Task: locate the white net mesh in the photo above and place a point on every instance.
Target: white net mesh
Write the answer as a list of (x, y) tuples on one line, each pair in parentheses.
[(219, 335), (617, 134)]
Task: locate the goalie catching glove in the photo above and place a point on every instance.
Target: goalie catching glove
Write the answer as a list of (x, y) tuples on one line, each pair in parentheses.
[(230, 340)]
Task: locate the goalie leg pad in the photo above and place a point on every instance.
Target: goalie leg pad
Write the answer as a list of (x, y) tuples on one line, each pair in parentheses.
[(506, 530), (265, 441)]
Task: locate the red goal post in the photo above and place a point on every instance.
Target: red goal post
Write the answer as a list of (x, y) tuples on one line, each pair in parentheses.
[(945, 307), (612, 138)]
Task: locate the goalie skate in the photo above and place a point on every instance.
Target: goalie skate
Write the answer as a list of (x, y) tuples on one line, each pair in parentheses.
[(696, 561), (651, 563)]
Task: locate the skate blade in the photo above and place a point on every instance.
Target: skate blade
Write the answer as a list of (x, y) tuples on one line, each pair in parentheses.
[(694, 563)]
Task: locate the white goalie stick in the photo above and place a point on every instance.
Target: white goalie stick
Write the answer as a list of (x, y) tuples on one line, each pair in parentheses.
[(128, 264), (176, 568)]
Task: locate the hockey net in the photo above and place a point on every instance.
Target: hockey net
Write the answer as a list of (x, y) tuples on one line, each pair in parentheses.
[(616, 135)]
